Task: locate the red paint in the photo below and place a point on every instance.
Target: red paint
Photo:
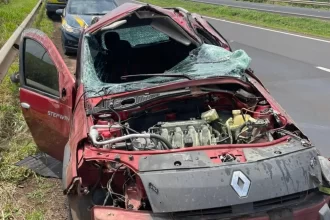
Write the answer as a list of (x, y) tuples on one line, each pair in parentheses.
[(262, 111), (108, 213), (51, 135), (177, 85), (170, 117), (133, 196), (42, 125), (92, 153)]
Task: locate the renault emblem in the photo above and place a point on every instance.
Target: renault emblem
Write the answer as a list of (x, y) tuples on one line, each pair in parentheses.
[(240, 183)]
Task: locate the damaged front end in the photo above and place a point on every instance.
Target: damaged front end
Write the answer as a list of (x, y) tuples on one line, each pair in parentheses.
[(206, 143)]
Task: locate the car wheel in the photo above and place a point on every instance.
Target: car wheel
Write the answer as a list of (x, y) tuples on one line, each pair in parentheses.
[(65, 50), (78, 207), (68, 209), (50, 14)]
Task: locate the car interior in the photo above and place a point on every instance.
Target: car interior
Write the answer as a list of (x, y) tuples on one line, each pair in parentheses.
[(140, 46)]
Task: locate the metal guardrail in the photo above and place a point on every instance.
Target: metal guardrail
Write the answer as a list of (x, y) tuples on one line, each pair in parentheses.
[(8, 52)]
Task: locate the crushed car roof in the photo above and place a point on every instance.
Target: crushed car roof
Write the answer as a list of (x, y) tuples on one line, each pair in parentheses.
[(128, 8)]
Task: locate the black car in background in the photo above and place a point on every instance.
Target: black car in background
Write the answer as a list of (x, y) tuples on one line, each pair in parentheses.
[(77, 15), (53, 5)]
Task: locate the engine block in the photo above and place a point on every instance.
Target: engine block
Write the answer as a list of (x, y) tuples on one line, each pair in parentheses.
[(185, 133)]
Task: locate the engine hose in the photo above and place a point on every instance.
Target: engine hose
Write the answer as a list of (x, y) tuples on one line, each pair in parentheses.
[(162, 139), (216, 132), (229, 132), (94, 134)]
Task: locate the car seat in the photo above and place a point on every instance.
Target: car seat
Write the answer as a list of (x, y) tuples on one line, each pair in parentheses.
[(120, 62)]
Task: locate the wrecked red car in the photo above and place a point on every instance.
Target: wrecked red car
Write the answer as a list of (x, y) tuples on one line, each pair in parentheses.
[(162, 120)]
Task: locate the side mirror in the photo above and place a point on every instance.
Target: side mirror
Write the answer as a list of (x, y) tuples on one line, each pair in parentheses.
[(59, 11), (14, 78)]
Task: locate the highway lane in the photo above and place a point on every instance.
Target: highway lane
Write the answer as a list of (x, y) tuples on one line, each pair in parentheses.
[(309, 50), (301, 89), (287, 10), (287, 64)]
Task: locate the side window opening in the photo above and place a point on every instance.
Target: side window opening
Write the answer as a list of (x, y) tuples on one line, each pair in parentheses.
[(40, 72), (137, 50), (134, 48)]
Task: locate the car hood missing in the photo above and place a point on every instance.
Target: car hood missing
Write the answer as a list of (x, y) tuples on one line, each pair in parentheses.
[(206, 61)]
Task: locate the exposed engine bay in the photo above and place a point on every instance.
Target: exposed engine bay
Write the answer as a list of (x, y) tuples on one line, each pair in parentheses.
[(208, 119), (194, 118)]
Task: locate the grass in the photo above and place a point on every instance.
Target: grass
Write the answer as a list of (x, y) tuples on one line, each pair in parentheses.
[(15, 141), (307, 26), (321, 7), (12, 15)]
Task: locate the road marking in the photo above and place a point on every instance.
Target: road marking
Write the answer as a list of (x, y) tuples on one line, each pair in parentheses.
[(265, 10), (265, 29), (323, 68)]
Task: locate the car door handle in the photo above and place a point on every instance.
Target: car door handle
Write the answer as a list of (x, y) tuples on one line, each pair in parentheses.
[(25, 105)]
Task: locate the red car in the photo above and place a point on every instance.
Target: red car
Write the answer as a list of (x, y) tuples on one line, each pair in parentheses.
[(164, 121)]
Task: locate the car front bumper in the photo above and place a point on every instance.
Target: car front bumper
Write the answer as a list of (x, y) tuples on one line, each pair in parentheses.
[(70, 41), (311, 209), (53, 7)]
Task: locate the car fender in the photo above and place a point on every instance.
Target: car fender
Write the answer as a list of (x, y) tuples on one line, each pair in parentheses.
[(66, 160)]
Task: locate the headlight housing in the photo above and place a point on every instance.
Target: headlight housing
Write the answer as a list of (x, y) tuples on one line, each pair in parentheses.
[(69, 28)]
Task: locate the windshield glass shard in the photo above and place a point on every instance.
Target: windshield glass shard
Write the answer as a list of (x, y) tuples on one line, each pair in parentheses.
[(202, 62)]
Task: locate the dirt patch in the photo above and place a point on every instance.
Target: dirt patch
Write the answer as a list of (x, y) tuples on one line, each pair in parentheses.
[(42, 195)]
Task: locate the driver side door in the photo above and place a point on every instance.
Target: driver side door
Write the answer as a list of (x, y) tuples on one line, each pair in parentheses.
[(46, 92)]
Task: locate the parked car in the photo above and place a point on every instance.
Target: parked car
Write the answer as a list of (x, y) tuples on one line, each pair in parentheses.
[(165, 121), (78, 15), (53, 5)]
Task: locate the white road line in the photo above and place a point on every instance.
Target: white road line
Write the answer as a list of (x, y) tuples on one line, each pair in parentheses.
[(323, 68), (265, 10), (265, 29)]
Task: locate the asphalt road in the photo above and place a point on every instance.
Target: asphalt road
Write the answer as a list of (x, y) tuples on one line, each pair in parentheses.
[(294, 68), (296, 71), (297, 11)]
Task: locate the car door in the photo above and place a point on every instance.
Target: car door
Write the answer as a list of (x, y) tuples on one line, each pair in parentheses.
[(46, 92)]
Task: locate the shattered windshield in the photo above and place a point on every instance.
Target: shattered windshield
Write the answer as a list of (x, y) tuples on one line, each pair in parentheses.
[(202, 62)]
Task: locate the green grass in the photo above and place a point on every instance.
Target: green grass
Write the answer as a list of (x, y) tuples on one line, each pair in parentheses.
[(307, 26), (321, 7), (12, 15), (43, 23), (15, 141), (35, 215)]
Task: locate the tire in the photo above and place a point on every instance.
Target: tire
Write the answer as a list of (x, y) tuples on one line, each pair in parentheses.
[(68, 209), (78, 207), (65, 50), (50, 14), (68, 52)]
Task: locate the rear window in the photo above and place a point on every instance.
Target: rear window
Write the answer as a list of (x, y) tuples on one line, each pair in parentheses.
[(141, 35), (91, 7)]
